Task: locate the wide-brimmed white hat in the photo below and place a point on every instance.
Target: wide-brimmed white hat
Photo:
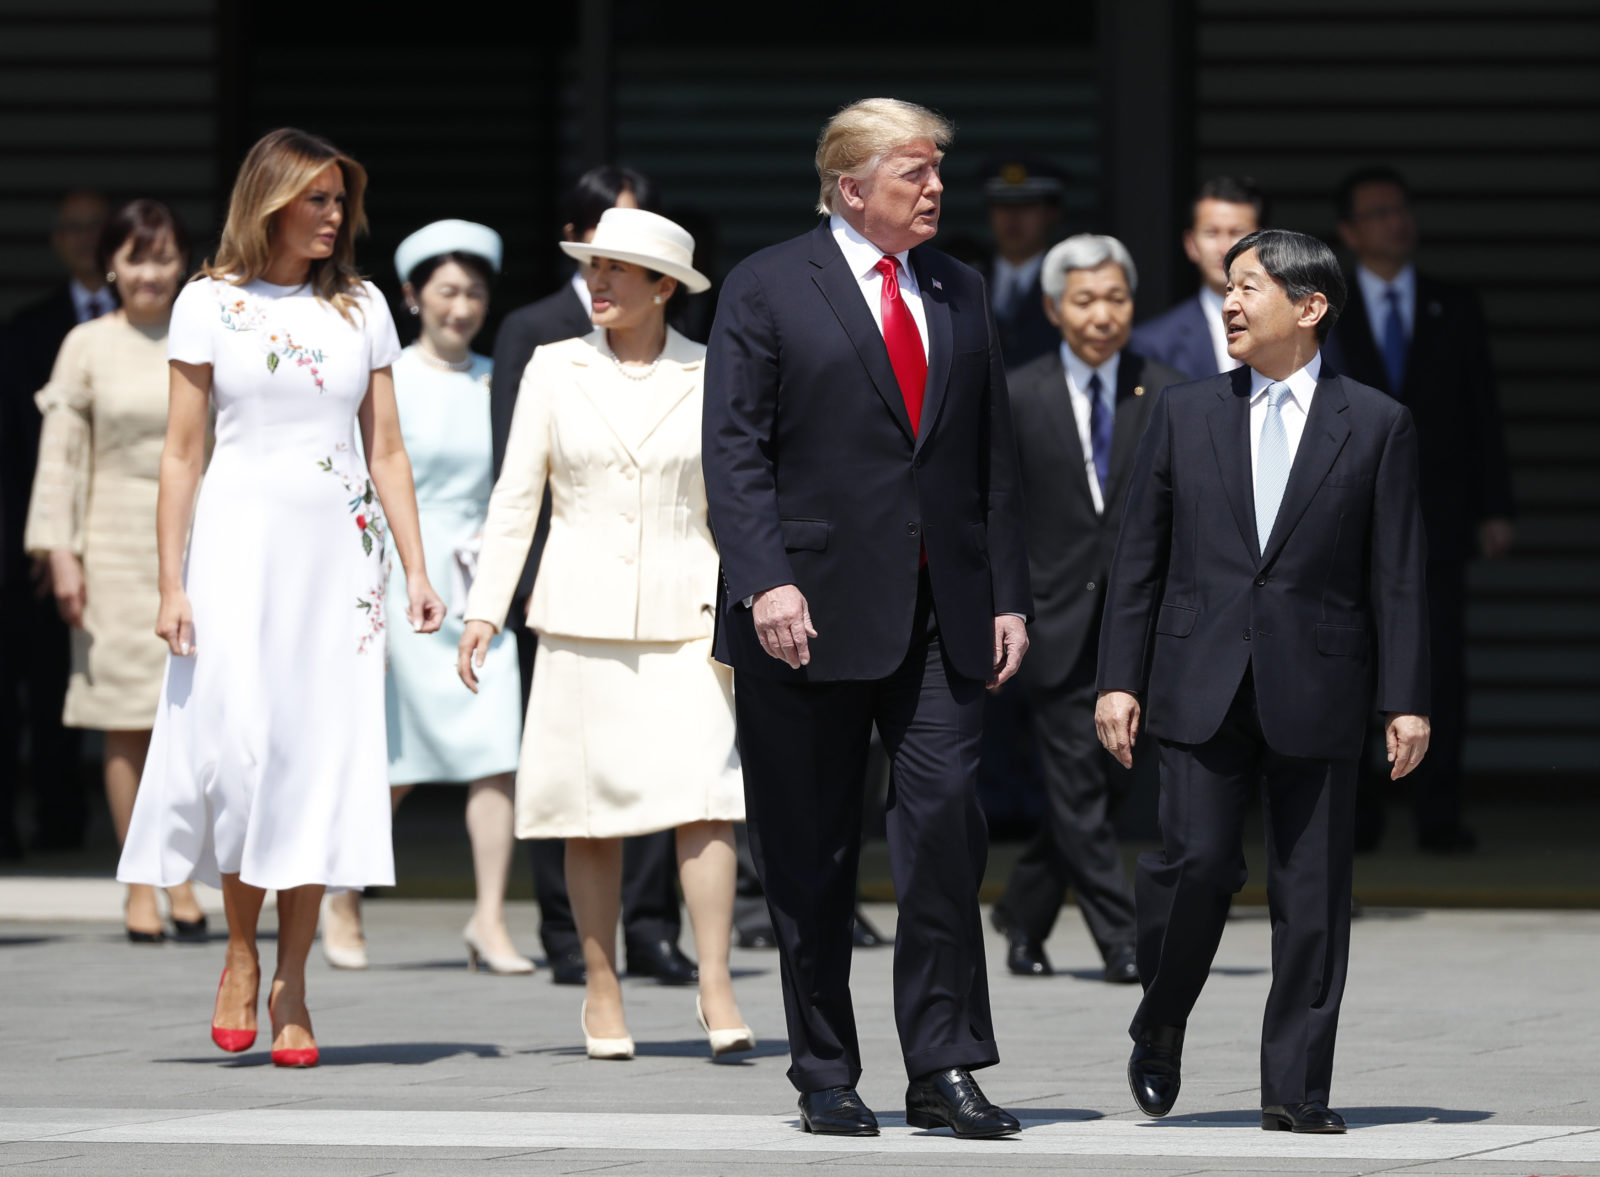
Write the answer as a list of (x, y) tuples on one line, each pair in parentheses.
[(645, 239), (447, 237)]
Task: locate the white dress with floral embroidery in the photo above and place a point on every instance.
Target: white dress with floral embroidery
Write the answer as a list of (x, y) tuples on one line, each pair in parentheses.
[(269, 756)]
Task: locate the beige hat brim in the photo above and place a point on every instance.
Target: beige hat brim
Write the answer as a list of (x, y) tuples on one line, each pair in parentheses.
[(692, 279)]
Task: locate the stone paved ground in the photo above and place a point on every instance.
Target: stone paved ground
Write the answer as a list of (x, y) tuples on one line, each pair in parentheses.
[(1468, 1047)]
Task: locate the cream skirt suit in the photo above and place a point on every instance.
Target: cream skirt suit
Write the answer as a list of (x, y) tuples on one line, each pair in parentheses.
[(630, 725)]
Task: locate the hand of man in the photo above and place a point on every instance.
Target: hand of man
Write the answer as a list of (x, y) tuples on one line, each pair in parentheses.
[(1010, 644), (1116, 722), (1406, 737), (1495, 537), (783, 623)]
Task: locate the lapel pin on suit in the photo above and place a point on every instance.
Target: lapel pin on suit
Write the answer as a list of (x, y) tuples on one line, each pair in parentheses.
[(938, 285), (1138, 390)]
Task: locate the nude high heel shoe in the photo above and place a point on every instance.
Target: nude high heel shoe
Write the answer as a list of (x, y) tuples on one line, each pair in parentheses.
[(724, 1041), (613, 1048), (502, 966), (343, 956)]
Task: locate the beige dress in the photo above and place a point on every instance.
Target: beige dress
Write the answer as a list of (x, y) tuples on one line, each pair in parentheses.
[(630, 726), (105, 418)]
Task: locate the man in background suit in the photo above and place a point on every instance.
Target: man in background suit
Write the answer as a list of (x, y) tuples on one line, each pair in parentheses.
[(1189, 337), (1024, 195), (1079, 415), (650, 913), (1423, 341), (862, 481), (1266, 591), (36, 667)]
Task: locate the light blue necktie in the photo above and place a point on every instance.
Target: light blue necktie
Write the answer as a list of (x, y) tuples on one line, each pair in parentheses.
[(1395, 343), (1272, 463)]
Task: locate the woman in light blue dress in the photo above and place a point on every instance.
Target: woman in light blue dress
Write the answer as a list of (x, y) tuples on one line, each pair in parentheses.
[(439, 733)]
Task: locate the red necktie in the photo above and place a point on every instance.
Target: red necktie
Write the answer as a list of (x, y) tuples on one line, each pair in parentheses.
[(904, 341)]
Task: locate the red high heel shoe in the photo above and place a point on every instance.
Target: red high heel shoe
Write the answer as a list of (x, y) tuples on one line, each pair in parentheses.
[(232, 1041), (296, 1057)]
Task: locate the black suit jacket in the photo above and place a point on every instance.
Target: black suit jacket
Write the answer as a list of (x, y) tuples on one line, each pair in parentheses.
[(1027, 332), (1449, 387), (31, 342), (554, 317), (1331, 616), (1069, 545), (1179, 338), (815, 478)]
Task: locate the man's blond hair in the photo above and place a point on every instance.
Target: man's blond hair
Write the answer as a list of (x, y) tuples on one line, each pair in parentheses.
[(857, 138)]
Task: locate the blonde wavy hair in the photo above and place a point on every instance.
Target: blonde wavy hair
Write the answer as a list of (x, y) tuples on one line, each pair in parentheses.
[(856, 140), (279, 168)]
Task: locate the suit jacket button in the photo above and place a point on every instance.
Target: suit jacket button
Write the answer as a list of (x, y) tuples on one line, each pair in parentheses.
[(1247, 635), (1089, 587), (911, 529), (1261, 580)]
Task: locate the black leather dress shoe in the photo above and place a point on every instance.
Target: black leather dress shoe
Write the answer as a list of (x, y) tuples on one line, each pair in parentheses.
[(663, 960), (836, 1111), (567, 968), (1155, 1069), (952, 1099), (1122, 968), (864, 935), (755, 936), (1300, 1117), (1025, 957)]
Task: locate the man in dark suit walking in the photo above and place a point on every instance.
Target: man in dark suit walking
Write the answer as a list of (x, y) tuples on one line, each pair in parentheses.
[(36, 666), (1267, 590), (1423, 341), (1189, 337), (650, 914), (862, 479), (1079, 415)]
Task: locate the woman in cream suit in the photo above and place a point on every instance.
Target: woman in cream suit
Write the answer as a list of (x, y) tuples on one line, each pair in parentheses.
[(630, 725)]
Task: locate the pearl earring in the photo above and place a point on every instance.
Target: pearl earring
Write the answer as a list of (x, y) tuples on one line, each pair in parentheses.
[(658, 300), (415, 310), (111, 276)]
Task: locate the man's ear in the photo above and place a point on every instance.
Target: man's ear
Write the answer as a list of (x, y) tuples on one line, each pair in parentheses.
[(1316, 306), (850, 192)]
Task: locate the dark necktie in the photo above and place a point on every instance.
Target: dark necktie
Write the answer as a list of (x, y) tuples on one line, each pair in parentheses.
[(1394, 342), (904, 342), (1100, 420)]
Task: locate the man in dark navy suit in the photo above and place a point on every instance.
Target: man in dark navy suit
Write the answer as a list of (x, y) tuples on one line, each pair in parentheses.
[(1079, 415), (862, 479), (651, 923), (1189, 337), (1424, 342), (1267, 591)]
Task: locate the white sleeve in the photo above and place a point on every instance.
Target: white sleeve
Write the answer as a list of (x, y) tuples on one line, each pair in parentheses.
[(190, 338), (383, 344)]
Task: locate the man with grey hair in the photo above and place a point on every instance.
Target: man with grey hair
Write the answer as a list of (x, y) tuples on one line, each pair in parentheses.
[(1079, 414), (1267, 591), (862, 480)]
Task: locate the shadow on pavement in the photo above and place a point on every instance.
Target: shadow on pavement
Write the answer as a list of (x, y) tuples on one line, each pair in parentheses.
[(1356, 1117), (402, 1054)]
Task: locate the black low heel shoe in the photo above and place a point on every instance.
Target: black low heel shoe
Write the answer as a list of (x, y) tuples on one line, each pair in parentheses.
[(191, 931), (144, 937)]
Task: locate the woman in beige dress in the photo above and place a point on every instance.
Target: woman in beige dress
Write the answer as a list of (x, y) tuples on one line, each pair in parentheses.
[(93, 516), (630, 726)]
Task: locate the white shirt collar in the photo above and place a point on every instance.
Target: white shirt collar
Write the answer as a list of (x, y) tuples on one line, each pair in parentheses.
[(1211, 303), (84, 301), (1302, 384), (1022, 274), (1079, 372), (862, 256), (581, 289), (1373, 289)]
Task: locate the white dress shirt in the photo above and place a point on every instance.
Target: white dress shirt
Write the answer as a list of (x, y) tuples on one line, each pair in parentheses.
[(90, 305), (1295, 409), (1374, 291), (861, 256), (1211, 304), (1078, 374), (581, 289), (1011, 283)]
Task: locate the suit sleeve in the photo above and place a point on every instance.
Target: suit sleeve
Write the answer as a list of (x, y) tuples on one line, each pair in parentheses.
[(1482, 412), (1139, 568), (1399, 562), (1006, 525), (513, 348), (739, 439), (514, 505)]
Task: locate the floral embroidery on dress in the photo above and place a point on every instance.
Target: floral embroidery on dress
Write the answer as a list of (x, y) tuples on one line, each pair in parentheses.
[(246, 314), (367, 515)]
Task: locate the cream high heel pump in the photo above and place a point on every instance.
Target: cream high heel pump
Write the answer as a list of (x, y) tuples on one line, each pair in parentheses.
[(724, 1041), (512, 965), (610, 1048)]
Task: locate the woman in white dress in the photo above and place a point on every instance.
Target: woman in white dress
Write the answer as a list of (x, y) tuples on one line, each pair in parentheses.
[(437, 732), (630, 726), (267, 766), (92, 515)]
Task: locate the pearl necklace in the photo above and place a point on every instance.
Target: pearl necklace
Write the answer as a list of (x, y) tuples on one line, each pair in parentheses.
[(439, 363), (644, 374)]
